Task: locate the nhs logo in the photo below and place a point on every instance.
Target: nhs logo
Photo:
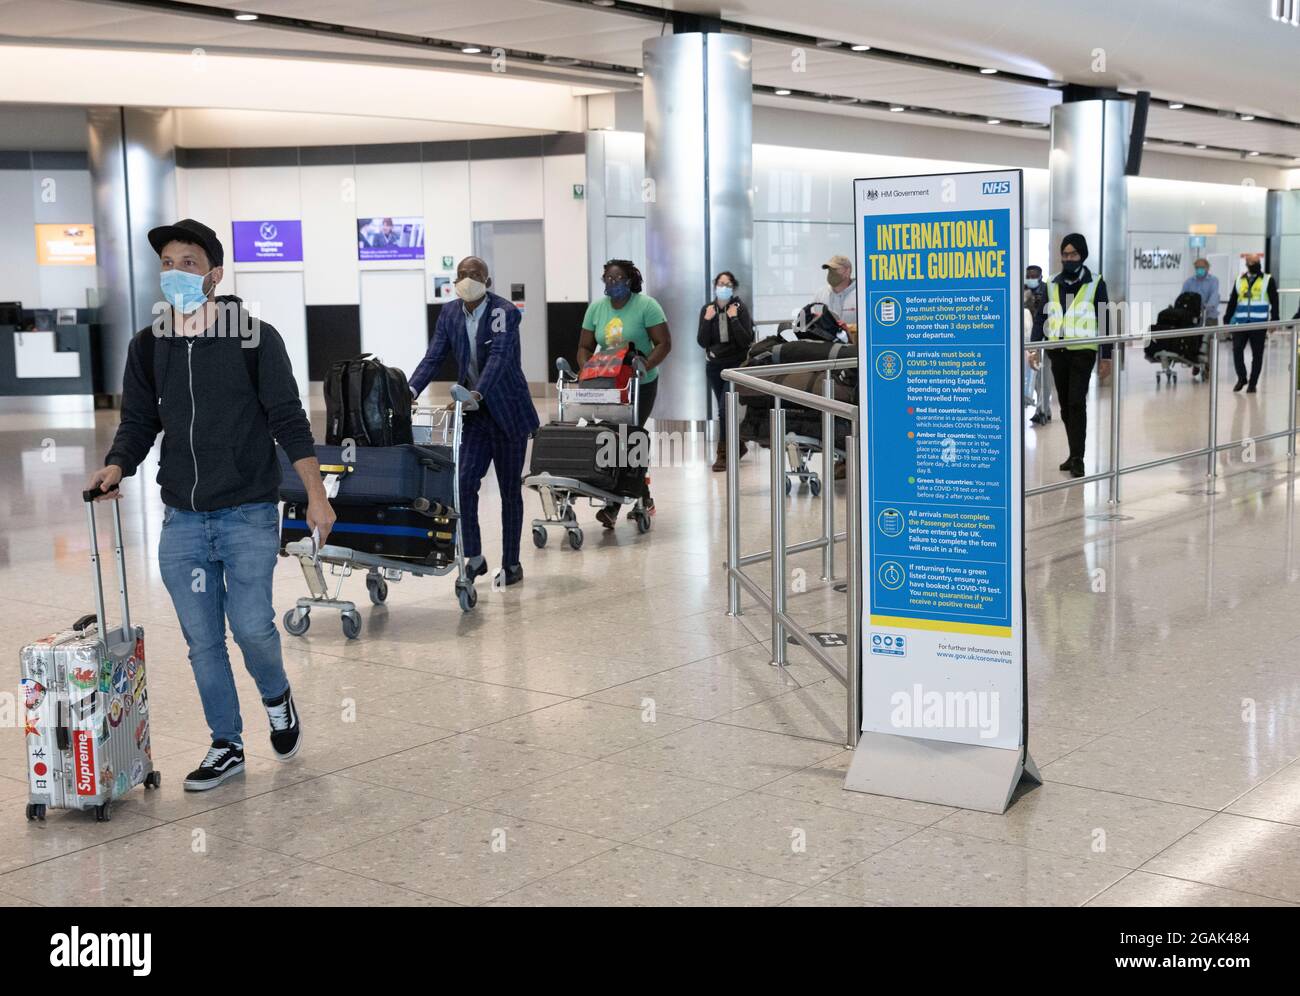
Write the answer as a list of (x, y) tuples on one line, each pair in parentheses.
[(995, 187)]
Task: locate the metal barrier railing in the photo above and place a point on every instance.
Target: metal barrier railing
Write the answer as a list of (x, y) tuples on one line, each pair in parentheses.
[(758, 379), (782, 624)]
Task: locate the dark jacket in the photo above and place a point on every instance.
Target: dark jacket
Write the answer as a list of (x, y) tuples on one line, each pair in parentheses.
[(740, 334), (501, 381), (1036, 302), (220, 414)]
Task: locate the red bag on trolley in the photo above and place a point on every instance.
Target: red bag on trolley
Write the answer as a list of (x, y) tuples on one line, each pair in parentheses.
[(611, 368)]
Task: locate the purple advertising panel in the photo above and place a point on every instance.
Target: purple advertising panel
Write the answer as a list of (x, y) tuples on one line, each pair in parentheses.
[(390, 238), (268, 241)]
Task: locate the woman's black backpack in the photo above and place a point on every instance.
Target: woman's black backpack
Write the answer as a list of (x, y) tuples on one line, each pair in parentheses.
[(367, 402)]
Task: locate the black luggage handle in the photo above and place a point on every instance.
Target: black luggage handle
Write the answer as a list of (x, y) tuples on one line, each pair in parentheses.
[(90, 494), (84, 623)]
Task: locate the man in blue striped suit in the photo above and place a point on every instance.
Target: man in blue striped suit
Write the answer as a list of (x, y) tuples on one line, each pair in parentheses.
[(481, 331)]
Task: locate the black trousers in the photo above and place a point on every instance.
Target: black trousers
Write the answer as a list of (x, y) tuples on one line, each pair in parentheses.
[(713, 373), (1257, 342), (645, 404), (1071, 371)]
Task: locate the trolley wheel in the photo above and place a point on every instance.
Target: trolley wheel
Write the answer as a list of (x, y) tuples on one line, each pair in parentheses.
[(153, 780), (815, 486), (466, 596), (378, 589), (539, 536), (351, 624), (575, 539), (296, 621), (787, 485), (36, 811), (642, 520), (104, 813)]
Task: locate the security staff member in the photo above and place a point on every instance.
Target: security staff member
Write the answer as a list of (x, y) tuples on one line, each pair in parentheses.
[(1076, 309), (1253, 299), (481, 331)]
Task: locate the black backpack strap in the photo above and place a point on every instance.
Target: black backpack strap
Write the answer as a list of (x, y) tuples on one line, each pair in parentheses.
[(356, 421), (334, 401)]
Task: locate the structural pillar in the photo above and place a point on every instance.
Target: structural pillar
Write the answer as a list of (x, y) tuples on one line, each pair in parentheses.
[(133, 185), (1088, 192), (698, 192)]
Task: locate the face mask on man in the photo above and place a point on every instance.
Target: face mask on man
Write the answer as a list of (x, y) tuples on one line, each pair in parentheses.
[(1031, 283), (1255, 267), (1071, 267), (617, 290), (722, 293), (183, 291), (469, 289), (1201, 272), (834, 277)]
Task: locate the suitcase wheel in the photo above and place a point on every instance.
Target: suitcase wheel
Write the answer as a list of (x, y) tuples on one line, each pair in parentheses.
[(104, 813), (153, 780), (36, 811), (575, 539), (466, 596), (815, 486), (351, 624), (378, 589), (787, 485), (643, 520), (539, 536), (296, 621)]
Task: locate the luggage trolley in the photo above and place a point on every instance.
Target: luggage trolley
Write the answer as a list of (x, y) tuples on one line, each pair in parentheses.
[(560, 494), (443, 426), (798, 451)]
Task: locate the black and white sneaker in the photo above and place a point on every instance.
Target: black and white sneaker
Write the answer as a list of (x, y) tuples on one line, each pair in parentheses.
[(286, 731), (224, 760)]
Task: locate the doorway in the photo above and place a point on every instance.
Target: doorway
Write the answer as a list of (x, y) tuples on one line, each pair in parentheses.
[(515, 255)]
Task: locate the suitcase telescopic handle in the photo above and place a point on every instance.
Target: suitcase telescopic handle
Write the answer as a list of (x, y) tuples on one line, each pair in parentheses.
[(89, 498)]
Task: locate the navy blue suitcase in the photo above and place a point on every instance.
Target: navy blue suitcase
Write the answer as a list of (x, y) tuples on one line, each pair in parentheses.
[(406, 474), (381, 530)]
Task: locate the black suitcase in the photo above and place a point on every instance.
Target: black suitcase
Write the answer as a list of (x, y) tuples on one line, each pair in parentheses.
[(609, 457), (381, 530), (383, 475)]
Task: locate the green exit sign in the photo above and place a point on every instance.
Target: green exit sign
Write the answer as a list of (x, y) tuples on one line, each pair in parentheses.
[(579, 191)]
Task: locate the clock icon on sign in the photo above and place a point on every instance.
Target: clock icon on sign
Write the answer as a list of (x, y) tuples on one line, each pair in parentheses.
[(892, 575)]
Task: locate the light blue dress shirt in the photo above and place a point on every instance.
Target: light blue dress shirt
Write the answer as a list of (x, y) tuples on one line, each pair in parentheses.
[(471, 330)]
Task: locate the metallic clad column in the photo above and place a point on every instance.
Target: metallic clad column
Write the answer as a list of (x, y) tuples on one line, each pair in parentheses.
[(699, 211), (1088, 191), (133, 182)]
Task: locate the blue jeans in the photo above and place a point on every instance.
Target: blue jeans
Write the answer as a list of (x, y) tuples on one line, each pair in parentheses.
[(218, 565)]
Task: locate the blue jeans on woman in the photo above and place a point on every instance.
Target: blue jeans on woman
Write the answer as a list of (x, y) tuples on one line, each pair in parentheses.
[(218, 566)]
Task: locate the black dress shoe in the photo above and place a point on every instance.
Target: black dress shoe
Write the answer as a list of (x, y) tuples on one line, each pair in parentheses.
[(1240, 385), (472, 571), (1076, 469), (1069, 463), (1251, 389), (513, 574)]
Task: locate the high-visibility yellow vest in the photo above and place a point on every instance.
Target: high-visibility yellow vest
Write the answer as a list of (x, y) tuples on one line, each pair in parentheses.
[(1079, 321), (1252, 299)]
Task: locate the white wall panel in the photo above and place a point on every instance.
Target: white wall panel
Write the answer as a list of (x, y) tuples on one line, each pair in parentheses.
[(204, 195), (19, 279), (449, 231), (506, 189), (565, 227), (329, 234)]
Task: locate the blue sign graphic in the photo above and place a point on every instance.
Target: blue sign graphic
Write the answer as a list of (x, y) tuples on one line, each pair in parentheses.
[(939, 338)]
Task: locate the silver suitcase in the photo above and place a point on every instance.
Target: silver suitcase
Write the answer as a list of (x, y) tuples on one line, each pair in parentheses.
[(87, 704)]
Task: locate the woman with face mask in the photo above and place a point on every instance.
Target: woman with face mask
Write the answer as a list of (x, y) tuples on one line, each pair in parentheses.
[(624, 316), (726, 332)]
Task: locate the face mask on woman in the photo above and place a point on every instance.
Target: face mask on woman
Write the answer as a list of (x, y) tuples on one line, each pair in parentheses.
[(618, 290), (723, 293)]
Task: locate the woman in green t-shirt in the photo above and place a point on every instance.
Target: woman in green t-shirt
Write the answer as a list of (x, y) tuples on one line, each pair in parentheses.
[(627, 316)]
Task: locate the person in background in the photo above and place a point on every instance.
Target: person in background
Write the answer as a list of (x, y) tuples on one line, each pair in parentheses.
[(1076, 309), (726, 333), (221, 411), (482, 333), (1206, 287), (1253, 299), (1035, 302), (627, 316), (840, 292)]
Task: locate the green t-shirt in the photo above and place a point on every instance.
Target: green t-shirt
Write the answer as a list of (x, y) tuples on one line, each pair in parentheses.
[(616, 327)]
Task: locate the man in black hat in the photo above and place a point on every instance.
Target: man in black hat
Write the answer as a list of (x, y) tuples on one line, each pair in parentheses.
[(1076, 309), (219, 385)]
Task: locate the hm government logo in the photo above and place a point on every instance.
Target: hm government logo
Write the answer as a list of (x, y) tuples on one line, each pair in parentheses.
[(873, 194), (268, 230)]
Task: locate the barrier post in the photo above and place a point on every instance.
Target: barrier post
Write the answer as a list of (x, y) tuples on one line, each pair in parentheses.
[(777, 448), (828, 481), (1291, 390), (853, 629), (1116, 369), (732, 403), (1212, 458)]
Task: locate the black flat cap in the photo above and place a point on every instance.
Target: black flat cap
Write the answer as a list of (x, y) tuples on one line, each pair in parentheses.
[(189, 230)]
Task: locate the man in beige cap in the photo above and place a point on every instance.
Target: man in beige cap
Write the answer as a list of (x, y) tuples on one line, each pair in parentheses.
[(840, 292)]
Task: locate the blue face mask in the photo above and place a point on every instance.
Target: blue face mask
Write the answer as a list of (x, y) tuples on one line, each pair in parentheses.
[(618, 290), (183, 291), (723, 293), (1201, 271), (1031, 282)]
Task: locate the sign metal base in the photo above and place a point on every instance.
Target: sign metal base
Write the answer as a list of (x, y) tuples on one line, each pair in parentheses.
[(967, 776)]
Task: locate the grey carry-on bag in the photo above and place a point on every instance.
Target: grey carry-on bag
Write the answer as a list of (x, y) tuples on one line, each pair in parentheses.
[(86, 704)]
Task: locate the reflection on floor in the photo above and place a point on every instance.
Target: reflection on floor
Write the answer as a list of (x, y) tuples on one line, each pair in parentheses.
[(605, 734)]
